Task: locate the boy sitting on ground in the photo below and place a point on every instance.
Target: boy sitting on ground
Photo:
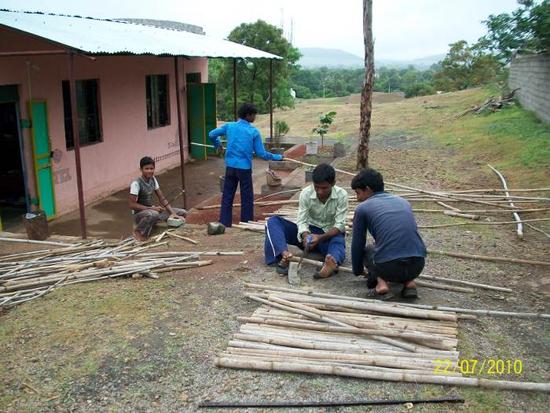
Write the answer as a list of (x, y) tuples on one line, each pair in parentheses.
[(140, 201), (398, 252), (322, 212)]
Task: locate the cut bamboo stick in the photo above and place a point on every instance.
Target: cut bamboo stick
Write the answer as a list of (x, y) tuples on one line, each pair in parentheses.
[(516, 216), (472, 284), (192, 241), (439, 286), (461, 215), (458, 224), (488, 258), (230, 362)]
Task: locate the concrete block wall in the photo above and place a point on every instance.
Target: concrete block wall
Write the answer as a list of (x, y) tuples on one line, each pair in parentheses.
[(531, 73)]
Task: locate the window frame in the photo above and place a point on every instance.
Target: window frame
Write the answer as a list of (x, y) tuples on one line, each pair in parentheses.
[(68, 105), (148, 92)]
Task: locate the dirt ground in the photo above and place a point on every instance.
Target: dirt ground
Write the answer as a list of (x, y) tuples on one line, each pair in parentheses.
[(149, 345)]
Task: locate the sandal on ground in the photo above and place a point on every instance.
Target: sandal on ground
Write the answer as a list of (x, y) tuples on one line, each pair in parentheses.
[(281, 270), (409, 292), (372, 293)]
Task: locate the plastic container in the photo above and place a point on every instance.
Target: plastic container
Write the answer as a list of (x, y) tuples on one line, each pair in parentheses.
[(36, 225)]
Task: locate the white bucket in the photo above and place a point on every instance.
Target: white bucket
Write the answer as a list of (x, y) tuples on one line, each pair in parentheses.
[(311, 148)]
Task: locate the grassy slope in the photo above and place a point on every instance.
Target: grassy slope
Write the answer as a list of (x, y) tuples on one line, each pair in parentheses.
[(513, 140)]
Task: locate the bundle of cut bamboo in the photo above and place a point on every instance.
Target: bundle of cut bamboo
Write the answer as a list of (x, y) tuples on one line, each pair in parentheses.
[(29, 275), (308, 332)]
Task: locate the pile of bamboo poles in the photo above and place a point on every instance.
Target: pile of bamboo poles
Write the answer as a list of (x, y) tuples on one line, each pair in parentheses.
[(495, 202), (29, 275), (308, 332)]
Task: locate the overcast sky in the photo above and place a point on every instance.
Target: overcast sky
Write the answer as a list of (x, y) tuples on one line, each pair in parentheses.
[(403, 29)]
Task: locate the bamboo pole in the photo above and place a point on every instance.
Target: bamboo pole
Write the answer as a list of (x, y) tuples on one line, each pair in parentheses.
[(372, 306), (317, 315), (32, 241), (458, 224), (469, 283), (461, 215), (480, 311), (439, 286), (192, 241), (230, 362), (488, 258), (516, 216), (338, 329)]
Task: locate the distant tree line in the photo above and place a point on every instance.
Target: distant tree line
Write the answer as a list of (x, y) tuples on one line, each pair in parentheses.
[(333, 82)]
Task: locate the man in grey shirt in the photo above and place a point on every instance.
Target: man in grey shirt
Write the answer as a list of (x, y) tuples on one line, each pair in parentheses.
[(398, 252)]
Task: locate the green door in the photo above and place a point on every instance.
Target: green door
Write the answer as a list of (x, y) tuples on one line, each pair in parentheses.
[(201, 117), (210, 121), (41, 154)]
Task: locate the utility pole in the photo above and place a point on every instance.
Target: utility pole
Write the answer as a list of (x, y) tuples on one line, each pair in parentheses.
[(366, 94)]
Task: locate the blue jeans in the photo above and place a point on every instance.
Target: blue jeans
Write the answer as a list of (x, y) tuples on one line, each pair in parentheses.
[(280, 232), (233, 178)]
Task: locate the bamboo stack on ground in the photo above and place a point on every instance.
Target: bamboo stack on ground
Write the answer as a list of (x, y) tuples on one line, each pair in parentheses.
[(308, 332), (30, 275)]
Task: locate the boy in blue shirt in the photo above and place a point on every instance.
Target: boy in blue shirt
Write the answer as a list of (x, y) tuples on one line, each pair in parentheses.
[(243, 141)]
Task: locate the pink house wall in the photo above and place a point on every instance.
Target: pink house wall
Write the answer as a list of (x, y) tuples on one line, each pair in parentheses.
[(109, 165)]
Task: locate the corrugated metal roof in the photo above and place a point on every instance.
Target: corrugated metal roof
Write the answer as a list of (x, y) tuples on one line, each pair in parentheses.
[(102, 36)]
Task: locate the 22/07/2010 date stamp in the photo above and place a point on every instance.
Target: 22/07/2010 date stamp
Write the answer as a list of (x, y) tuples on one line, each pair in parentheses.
[(489, 366)]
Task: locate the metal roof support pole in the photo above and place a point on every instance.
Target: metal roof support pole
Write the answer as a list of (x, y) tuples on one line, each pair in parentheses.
[(76, 143), (180, 131), (235, 88), (271, 100)]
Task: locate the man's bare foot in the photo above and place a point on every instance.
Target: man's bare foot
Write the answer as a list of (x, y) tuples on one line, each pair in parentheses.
[(285, 258), (410, 284), (138, 236), (382, 287), (328, 268)]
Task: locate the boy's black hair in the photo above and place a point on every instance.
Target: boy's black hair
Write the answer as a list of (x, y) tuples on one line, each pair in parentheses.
[(247, 109), (324, 173), (146, 160), (368, 178)]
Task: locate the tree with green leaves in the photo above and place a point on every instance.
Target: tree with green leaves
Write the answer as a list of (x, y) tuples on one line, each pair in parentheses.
[(253, 74), (526, 29), (324, 123), (466, 66)]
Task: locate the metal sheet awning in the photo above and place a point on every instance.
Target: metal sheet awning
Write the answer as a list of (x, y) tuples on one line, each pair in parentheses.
[(109, 37)]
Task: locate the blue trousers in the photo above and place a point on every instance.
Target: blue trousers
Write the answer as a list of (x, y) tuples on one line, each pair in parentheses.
[(233, 178), (280, 232)]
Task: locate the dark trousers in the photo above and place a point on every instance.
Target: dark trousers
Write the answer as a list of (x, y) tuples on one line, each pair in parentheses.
[(397, 271), (233, 178), (280, 232)]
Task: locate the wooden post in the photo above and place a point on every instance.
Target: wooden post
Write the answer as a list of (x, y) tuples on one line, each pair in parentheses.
[(366, 94), (76, 143), (180, 131), (271, 100), (235, 88)]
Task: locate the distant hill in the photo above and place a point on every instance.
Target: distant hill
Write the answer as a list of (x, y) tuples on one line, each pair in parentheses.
[(420, 63), (313, 57), (317, 57)]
